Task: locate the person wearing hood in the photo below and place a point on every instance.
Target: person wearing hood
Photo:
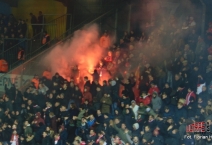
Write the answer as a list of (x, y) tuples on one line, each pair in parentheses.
[(136, 130), (38, 119), (153, 88), (156, 102)]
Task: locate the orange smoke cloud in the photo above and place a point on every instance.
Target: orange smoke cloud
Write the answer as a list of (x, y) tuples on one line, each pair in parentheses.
[(85, 49)]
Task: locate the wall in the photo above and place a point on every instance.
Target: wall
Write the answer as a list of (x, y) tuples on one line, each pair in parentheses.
[(46, 6)]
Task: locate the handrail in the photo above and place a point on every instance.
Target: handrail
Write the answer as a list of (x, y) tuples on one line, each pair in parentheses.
[(12, 47), (79, 25), (32, 55)]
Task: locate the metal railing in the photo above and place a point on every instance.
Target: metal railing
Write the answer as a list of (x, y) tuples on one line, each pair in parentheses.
[(33, 63), (31, 47)]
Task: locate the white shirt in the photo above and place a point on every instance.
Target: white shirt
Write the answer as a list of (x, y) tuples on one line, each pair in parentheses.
[(135, 110)]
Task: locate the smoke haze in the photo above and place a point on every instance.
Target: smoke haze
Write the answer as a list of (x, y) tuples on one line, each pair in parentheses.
[(84, 49)]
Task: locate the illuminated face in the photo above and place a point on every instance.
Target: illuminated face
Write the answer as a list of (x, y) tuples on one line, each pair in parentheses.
[(109, 53)]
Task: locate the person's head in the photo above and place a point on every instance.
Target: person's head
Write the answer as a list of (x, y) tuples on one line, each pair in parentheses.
[(29, 102), (200, 100), (166, 109), (85, 78), (177, 77), (51, 114), (166, 85), (123, 126), (73, 106), (26, 122), (179, 105), (57, 136), (92, 132), (151, 117), (204, 88), (147, 129), (91, 117), (135, 140), (133, 103), (57, 104), (156, 132), (141, 104), (63, 108), (44, 134), (196, 68), (98, 112), (170, 120), (127, 111), (48, 104), (48, 128), (155, 94)]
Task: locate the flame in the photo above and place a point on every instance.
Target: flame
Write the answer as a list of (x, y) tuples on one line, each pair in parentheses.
[(85, 49)]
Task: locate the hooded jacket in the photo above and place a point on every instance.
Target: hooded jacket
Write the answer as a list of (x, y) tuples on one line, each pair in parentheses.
[(38, 119), (156, 102)]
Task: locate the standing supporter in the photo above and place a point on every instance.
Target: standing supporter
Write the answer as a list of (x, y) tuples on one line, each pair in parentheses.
[(33, 22), (45, 39)]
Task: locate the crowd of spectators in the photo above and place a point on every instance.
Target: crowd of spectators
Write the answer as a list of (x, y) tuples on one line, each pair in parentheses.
[(160, 83), (12, 31)]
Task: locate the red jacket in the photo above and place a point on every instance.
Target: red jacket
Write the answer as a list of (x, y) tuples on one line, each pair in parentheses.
[(153, 89), (145, 100), (38, 119)]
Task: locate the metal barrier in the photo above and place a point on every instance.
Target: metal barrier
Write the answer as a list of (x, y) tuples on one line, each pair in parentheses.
[(31, 47), (108, 21), (33, 63)]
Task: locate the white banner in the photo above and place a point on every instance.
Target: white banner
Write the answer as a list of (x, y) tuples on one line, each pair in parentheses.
[(10, 79)]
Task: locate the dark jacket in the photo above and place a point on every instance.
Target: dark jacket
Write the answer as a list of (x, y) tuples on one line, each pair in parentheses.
[(46, 141), (158, 140)]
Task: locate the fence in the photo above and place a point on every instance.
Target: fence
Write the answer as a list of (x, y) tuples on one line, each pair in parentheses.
[(55, 29), (33, 64)]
